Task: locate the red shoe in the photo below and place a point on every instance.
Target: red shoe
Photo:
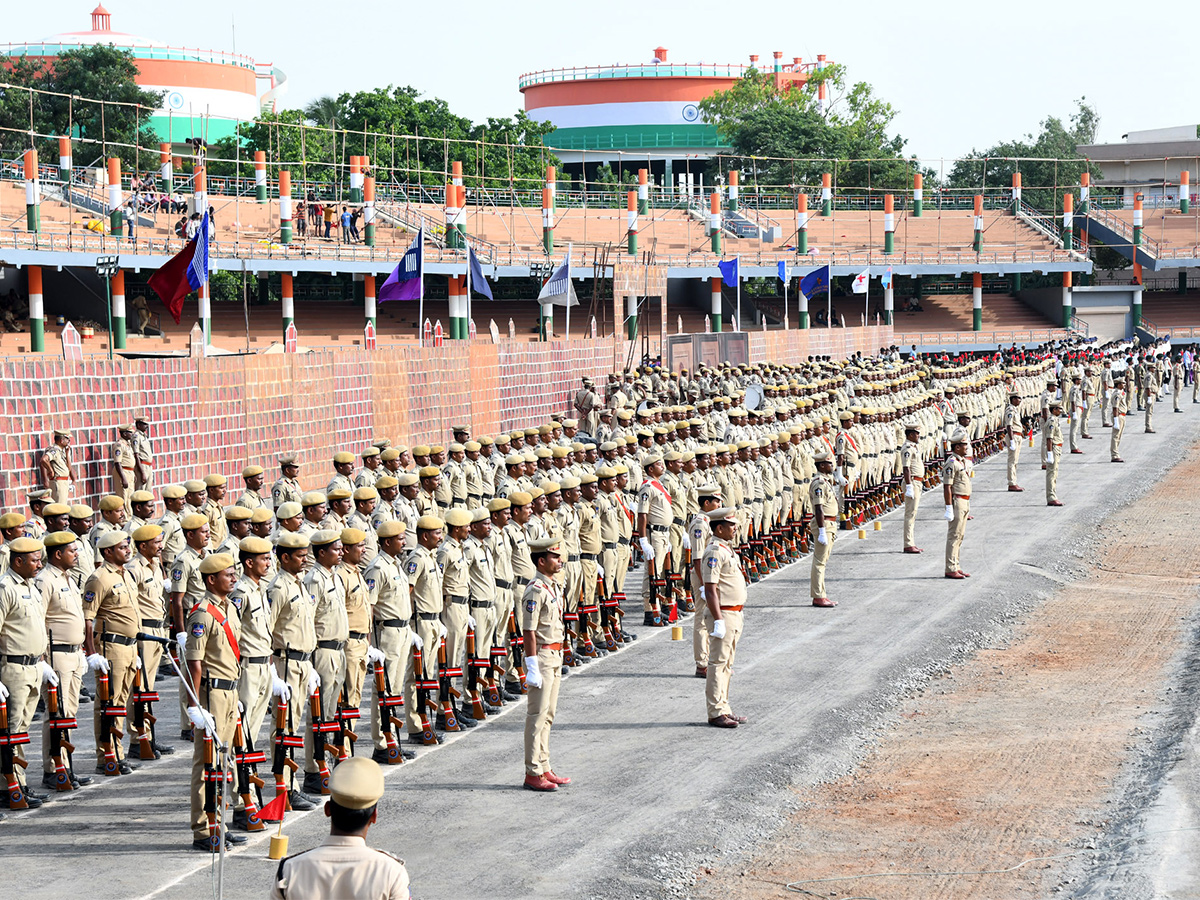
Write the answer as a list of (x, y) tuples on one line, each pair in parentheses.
[(1080, 452), (913, 550), (556, 779), (539, 783), (1054, 503), (955, 575), (723, 722), (741, 720), (701, 671), (1015, 488), (964, 574), (824, 602)]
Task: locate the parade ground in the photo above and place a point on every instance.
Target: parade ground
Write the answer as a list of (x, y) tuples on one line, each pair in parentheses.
[(1033, 722)]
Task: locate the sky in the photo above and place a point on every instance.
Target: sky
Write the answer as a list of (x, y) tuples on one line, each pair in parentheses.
[(961, 76)]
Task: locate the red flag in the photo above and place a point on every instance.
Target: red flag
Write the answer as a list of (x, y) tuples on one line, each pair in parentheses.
[(674, 614), (171, 281), (273, 811)]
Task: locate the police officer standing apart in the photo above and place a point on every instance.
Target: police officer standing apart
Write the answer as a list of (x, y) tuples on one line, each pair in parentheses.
[(542, 608), (956, 486), (823, 491), (724, 595)]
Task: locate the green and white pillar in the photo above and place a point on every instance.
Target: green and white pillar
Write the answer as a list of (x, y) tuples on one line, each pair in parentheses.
[(287, 305), (714, 222), (802, 317), (1085, 193), (1185, 191), (977, 301), (118, 310), (802, 224), (1016, 190), (1137, 306), (826, 194), (1068, 222), (889, 302), (37, 310), (166, 170), (457, 287), (733, 190), (369, 211), (548, 220), (1137, 224), (369, 298), (260, 176), (33, 193), (918, 195), (889, 224), (716, 313), (64, 160), (115, 219), (631, 316), (643, 193), (285, 208), (1067, 308), (631, 215), (977, 243), (356, 179)]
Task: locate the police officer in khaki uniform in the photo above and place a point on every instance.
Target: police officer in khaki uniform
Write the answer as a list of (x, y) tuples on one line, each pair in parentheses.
[(213, 631), (482, 588), (456, 593), (359, 651), (1052, 442), (913, 472), (392, 612), (425, 584), (725, 596), (344, 866), (258, 680), (956, 488), (541, 612), (332, 629), (251, 497), (286, 488), (187, 588), (214, 489), (699, 534), (146, 569), (58, 474), (822, 491), (143, 455), (654, 518), (121, 464)]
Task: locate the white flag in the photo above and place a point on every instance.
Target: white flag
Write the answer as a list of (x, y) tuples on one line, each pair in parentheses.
[(860, 281)]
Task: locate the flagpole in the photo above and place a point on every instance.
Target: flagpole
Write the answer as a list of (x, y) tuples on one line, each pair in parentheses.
[(568, 290), (421, 283), (829, 298), (467, 336), (738, 269), (785, 309)]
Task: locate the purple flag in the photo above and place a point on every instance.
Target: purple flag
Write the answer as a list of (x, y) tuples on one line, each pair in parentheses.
[(405, 283)]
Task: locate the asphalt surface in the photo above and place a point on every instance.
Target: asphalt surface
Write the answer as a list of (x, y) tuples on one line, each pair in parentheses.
[(657, 793)]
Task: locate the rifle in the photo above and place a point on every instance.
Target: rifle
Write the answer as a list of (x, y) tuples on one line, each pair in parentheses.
[(472, 687), (572, 635), (656, 585), (211, 777), (606, 615), (446, 708), (247, 760), (9, 760), (344, 716), (286, 742), (108, 727), (143, 712), (497, 653), (320, 727), (516, 641), (423, 699), (60, 744), (388, 723)]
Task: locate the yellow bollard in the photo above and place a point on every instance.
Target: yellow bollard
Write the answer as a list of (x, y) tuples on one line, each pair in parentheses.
[(677, 632), (878, 525), (279, 846), (862, 534)]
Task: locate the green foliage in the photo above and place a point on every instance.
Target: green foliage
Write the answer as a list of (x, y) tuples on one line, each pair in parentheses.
[(1107, 258), (782, 139), (77, 79), (1048, 162)]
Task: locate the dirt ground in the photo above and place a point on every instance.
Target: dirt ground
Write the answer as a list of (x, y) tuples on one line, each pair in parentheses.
[(1004, 765)]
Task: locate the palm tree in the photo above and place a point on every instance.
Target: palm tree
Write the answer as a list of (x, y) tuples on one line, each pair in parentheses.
[(323, 111)]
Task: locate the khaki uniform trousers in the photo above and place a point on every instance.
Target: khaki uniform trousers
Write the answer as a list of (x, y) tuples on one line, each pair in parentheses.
[(427, 631), (621, 570), (330, 665), (254, 693), (720, 665), (23, 683), (121, 675), (70, 669), (501, 609), (816, 578), (572, 581), (1106, 410), (356, 671), (911, 505), (122, 489), (223, 707), (539, 713), (676, 536), (60, 490), (296, 676), (1052, 475), (1076, 423), (955, 529), (661, 545), (587, 597), (701, 624), (143, 477), (395, 644), (1014, 457), (454, 617), (1118, 429), (1151, 397), (1085, 419)]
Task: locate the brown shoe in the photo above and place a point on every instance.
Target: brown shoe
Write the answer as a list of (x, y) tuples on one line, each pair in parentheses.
[(824, 602), (741, 720), (1015, 488), (556, 779), (1054, 503), (723, 722), (701, 672), (912, 550), (955, 575), (1117, 459), (539, 783)]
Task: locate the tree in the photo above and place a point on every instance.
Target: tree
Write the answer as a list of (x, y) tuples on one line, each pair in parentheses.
[(323, 111)]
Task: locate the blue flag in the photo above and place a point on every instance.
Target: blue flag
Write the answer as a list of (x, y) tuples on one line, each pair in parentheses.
[(405, 281), (558, 290), (729, 272), (887, 278), (784, 273), (197, 272), (814, 281), (478, 283)]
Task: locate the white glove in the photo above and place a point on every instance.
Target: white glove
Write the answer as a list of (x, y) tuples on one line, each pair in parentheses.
[(719, 627), (1049, 456), (647, 549), (910, 492), (441, 629), (600, 570), (949, 512), (1012, 445), (48, 675), (822, 537), (137, 663), (314, 681), (181, 640), (3, 691), (280, 688), (375, 655), (97, 663), (533, 676), (839, 477), (416, 641), (470, 622), (241, 708), (202, 718)]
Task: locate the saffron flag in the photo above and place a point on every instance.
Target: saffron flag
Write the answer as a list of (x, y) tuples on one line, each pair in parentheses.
[(406, 279), (183, 273), (729, 272), (478, 283), (814, 281)]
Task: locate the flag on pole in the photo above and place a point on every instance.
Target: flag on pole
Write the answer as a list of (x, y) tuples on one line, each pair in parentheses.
[(785, 274), (273, 811), (814, 281), (478, 283), (729, 271), (405, 281), (886, 280), (861, 281), (183, 273), (558, 290)]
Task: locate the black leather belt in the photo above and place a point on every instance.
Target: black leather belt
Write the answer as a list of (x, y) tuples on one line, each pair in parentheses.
[(117, 639), (429, 617), (153, 623), (481, 604), (220, 684), (662, 528), (521, 582), (331, 645), (392, 623), (505, 585), (441, 505), (454, 599), (624, 541), (64, 648), (474, 496), (359, 635), (678, 522), (21, 660), (572, 557), (255, 660), (298, 655), (589, 557), (610, 545)]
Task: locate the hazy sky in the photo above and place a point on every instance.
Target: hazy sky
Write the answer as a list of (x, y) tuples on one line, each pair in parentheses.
[(961, 75)]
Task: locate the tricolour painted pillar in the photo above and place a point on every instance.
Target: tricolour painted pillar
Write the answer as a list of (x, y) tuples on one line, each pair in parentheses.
[(977, 301), (356, 179), (1085, 193), (460, 214), (64, 160), (643, 193), (206, 312), (1068, 221), (166, 171), (631, 208), (802, 223), (733, 190), (889, 302), (37, 310), (631, 316), (458, 307), (451, 216), (716, 310), (1016, 189), (1066, 300), (547, 220), (285, 210), (977, 244), (918, 195), (827, 194), (714, 221), (822, 94), (1137, 223), (33, 193), (118, 310), (889, 224), (1137, 298), (369, 298), (260, 176), (287, 305), (369, 210), (802, 319), (1185, 191), (115, 219), (552, 184), (200, 195)]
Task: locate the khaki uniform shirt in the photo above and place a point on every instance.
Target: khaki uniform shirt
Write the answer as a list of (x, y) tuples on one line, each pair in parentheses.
[(822, 491), (63, 601), (151, 588), (122, 459), (910, 458), (173, 542), (329, 616), (387, 588), (342, 866), (500, 555), (425, 576), (956, 473), (186, 578), (293, 609), (255, 616), (454, 566), (250, 500), (59, 461), (110, 597), (366, 526), (339, 481), (358, 608), (518, 552), (721, 567), (208, 642), (481, 572), (542, 611), (655, 503), (285, 490), (217, 529), (22, 617)]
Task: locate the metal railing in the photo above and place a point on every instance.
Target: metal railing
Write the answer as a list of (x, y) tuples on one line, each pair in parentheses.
[(140, 51), (933, 338), (1079, 325), (1038, 221), (1125, 229), (645, 70), (1148, 326)]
